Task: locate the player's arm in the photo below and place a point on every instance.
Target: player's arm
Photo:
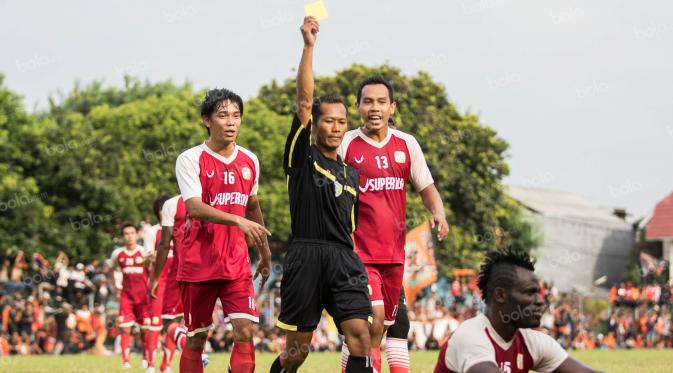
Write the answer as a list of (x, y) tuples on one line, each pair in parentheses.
[(433, 202), (571, 365), (254, 212), (161, 257), (201, 211), (187, 172), (309, 30)]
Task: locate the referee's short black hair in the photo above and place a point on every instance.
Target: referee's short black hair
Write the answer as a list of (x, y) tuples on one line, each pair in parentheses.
[(215, 97), (499, 268), (376, 79), (316, 109)]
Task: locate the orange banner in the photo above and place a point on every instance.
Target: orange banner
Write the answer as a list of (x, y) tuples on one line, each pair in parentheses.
[(420, 269)]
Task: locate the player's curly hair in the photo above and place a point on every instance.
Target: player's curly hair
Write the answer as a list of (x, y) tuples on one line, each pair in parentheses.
[(498, 268), (158, 204)]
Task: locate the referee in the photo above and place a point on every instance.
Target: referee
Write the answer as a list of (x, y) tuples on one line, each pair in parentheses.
[(321, 270)]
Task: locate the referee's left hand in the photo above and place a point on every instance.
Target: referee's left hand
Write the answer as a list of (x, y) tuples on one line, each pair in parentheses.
[(439, 221), (263, 268)]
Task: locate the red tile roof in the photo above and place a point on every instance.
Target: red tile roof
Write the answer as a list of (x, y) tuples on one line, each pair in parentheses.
[(661, 224)]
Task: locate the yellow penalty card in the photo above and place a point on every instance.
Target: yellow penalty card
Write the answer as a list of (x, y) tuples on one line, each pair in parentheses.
[(316, 10)]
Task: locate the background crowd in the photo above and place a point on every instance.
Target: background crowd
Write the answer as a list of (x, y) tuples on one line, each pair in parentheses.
[(64, 307)]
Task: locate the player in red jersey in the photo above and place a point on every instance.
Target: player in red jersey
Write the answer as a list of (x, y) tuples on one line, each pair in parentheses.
[(502, 339), (386, 159), (164, 283), (218, 182), (133, 297)]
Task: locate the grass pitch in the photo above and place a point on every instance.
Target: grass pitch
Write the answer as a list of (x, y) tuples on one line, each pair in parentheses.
[(650, 361)]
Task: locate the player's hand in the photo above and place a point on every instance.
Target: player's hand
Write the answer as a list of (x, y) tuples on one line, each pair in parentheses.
[(263, 268), (154, 285), (257, 232), (439, 221), (309, 31)]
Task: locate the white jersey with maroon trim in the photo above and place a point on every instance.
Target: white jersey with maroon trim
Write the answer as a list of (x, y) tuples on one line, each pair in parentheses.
[(135, 280), (475, 341), (211, 251), (384, 168)]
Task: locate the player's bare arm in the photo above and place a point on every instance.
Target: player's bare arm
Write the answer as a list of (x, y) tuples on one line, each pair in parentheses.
[(201, 211), (571, 365), (161, 256), (433, 202), (254, 212), (309, 31)]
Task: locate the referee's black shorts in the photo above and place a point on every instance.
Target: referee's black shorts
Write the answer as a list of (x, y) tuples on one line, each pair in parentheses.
[(320, 274)]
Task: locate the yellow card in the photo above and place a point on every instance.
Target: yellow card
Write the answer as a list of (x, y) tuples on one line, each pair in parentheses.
[(316, 10)]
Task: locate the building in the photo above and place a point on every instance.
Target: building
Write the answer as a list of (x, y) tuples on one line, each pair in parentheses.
[(659, 228), (584, 247)]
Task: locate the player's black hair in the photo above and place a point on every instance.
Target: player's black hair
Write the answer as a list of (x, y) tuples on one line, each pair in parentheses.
[(215, 97), (499, 268), (377, 79), (316, 109), (391, 123), (126, 225), (158, 204)]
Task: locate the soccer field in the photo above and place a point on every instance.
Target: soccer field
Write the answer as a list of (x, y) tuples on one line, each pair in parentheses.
[(649, 361)]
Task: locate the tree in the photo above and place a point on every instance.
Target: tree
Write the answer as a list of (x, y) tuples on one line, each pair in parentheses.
[(467, 158)]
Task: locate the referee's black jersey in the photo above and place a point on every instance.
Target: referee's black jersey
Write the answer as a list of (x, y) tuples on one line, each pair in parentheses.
[(323, 192)]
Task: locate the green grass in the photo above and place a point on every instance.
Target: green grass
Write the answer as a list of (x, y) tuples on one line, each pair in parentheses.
[(650, 361)]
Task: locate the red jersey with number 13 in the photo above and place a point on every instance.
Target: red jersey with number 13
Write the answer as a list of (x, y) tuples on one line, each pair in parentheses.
[(384, 167)]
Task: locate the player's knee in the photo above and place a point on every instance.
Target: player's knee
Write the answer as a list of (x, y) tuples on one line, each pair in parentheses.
[(376, 328), (294, 357), (197, 341), (243, 331)]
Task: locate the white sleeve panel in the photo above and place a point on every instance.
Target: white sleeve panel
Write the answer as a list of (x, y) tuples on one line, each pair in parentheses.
[(168, 211), (469, 346), (420, 175), (547, 354), (187, 171)]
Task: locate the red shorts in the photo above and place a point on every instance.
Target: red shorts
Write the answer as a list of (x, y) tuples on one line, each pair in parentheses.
[(198, 298), (385, 284), (172, 305), (131, 312)]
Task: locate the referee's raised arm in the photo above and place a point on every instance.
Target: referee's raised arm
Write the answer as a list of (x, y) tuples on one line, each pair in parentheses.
[(298, 142), (309, 31)]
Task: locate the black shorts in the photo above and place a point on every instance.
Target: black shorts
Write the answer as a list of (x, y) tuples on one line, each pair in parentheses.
[(321, 275)]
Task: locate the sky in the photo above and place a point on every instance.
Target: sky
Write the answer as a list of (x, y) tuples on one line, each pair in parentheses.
[(580, 90)]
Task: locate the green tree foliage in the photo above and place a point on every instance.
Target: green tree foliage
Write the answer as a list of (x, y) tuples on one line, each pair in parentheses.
[(100, 155)]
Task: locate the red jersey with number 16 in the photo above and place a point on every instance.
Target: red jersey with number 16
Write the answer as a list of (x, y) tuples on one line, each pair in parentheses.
[(384, 168), (211, 251)]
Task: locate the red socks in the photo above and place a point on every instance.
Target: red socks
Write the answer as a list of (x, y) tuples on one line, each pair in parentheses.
[(397, 353), (190, 361), (376, 358), (152, 343), (242, 358), (126, 347), (169, 351)]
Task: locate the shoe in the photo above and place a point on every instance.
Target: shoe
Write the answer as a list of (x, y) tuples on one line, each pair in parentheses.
[(144, 364), (149, 370), (126, 366), (205, 360), (167, 370)]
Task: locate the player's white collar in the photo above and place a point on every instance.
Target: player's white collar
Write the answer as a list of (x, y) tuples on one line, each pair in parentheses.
[(126, 251), (223, 159), (495, 336), (373, 142)]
